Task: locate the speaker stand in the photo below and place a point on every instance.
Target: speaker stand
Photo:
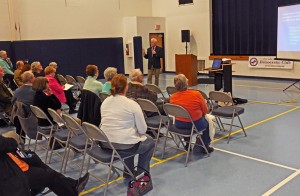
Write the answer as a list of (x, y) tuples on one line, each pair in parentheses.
[(293, 85), (186, 47)]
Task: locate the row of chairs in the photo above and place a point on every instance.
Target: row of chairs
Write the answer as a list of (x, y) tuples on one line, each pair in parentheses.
[(82, 138)]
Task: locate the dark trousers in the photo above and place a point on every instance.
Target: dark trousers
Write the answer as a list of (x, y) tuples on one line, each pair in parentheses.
[(145, 152), (200, 124), (70, 99), (40, 176)]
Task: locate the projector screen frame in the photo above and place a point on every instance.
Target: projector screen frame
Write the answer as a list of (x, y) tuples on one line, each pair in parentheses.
[(285, 59)]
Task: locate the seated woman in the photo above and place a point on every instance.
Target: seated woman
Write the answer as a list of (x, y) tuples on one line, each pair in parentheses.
[(18, 72), (124, 124), (58, 90), (30, 175), (195, 104), (91, 82), (109, 73), (44, 98), (37, 69)]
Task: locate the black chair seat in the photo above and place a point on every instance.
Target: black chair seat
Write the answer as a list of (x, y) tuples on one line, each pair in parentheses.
[(227, 111), (100, 154), (78, 142), (154, 121), (173, 128), (61, 135), (44, 130)]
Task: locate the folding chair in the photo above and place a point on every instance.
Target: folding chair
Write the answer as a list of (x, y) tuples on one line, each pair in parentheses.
[(81, 81), (157, 90), (171, 90), (45, 132), (62, 133), (178, 111), (5, 117), (103, 96), (154, 123), (105, 157), (70, 80), (78, 141), (62, 80), (226, 112), (210, 104), (16, 83)]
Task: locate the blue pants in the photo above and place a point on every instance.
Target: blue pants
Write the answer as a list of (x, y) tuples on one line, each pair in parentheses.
[(200, 124)]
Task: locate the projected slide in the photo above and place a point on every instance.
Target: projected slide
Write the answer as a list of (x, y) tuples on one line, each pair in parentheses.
[(288, 38)]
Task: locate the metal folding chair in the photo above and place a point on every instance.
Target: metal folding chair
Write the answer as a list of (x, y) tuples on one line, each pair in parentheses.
[(45, 132), (103, 96), (62, 80), (81, 81), (70, 80), (178, 111), (16, 83), (77, 142), (154, 123), (156, 89), (226, 112), (105, 157), (171, 90), (62, 133)]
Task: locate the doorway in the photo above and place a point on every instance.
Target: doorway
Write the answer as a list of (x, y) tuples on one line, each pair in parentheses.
[(161, 43)]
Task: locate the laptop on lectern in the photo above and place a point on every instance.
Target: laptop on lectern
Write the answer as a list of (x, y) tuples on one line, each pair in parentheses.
[(217, 64)]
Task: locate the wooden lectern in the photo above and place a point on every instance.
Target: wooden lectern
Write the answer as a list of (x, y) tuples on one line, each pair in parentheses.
[(187, 64)]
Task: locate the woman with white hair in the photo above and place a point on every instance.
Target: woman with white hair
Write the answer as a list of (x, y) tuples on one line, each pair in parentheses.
[(109, 73), (195, 104), (37, 69)]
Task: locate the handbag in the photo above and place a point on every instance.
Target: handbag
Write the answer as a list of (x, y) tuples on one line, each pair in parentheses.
[(140, 185)]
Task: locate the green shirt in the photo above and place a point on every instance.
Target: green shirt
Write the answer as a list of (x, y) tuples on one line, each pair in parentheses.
[(93, 85), (106, 87), (7, 66)]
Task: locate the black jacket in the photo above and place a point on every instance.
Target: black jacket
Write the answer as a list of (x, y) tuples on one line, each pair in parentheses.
[(44, 102), (154, 60), (89, 109), (13, 182)]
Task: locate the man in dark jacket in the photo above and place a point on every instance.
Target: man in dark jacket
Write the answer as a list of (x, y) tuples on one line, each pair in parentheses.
[(31, 172), (154, 54)]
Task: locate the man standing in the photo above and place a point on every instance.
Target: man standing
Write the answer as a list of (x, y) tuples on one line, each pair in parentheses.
[(7, 67), (154, 54)]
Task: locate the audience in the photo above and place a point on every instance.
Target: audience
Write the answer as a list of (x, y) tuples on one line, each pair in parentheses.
[(109, 73), (124, 124), (7, 67), (37, 69), (58, 90), (29, 176), (5, 94), (91, 82), (195, 104), (54, 65), (44, 98), (136, 89), (18, 72)]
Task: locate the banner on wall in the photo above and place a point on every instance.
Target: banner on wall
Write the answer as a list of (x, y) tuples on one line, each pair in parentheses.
[(269, 62)]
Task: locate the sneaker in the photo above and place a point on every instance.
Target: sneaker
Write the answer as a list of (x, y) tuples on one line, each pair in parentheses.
[(81, 182)]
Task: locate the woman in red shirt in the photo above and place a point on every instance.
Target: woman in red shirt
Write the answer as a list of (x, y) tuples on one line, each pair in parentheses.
[(195, 104)]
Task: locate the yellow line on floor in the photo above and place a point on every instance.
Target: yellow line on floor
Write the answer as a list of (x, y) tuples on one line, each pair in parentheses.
[(257, 123), (282, 183), (156, 159), (272, 103), (120, 178), (255, 159)]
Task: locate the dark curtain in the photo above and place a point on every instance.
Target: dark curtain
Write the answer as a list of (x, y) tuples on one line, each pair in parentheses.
[(245, 27)]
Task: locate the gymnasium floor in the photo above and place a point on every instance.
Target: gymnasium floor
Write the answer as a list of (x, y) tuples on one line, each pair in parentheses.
[(264, 163)]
